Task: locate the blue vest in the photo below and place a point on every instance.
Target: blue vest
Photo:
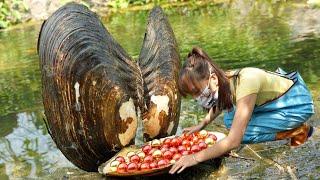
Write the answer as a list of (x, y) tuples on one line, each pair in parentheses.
[(286, 112)]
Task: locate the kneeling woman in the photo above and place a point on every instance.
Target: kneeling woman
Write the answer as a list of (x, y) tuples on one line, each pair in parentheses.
[(259, 105)]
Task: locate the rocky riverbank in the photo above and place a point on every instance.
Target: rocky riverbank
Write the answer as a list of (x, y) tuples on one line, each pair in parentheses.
[(41, 9), (14, 12)]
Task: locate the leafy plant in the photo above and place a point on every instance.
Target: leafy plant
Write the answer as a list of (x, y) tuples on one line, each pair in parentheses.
[(119, 4), (10, 12)]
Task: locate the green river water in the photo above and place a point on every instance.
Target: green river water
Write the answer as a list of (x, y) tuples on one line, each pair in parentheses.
[(238, 34)]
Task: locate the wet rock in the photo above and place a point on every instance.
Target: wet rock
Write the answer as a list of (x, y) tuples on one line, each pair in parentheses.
[(305, 23), (42, 9)]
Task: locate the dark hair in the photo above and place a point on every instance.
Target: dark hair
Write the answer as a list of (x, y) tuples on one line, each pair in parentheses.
[(196, 69)]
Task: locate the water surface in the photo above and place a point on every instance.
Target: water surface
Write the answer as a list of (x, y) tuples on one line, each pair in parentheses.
[(265, 35)]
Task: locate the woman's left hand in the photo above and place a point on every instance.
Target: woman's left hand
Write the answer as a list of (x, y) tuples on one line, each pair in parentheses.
[(182, 163)]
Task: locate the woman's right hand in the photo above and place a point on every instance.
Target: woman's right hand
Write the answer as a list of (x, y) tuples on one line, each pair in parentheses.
[(192, 129)]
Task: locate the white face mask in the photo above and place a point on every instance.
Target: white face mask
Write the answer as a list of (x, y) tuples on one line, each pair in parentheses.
[(207, 99)]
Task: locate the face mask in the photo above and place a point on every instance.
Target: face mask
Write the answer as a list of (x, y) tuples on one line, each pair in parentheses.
[(207, 99)]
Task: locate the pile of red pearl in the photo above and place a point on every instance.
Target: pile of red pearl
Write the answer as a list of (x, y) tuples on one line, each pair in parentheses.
[(161, 153)]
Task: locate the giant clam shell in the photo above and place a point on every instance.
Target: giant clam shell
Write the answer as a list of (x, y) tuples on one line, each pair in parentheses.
[(94, 93)]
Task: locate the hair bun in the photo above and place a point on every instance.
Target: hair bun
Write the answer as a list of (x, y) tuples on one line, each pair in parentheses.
[(195, 50)]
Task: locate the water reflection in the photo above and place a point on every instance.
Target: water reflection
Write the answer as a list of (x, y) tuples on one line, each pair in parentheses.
[(8, 123), (28, 151)]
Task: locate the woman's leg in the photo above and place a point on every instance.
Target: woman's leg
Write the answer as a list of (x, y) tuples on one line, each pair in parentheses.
[(281, 118), (274, 125), (297, 135)]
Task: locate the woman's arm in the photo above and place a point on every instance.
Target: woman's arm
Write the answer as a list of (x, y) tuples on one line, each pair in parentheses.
[(212, 115), (242, 116), (207, 119)]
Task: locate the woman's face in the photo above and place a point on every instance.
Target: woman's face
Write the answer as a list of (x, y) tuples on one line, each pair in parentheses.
[(212, 82)]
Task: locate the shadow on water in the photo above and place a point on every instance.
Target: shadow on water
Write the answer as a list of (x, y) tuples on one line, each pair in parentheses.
[(238, 34)]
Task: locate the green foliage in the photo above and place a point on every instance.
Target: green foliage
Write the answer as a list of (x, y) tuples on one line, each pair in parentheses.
[(119, 4), (314, 3), (11, 12)]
